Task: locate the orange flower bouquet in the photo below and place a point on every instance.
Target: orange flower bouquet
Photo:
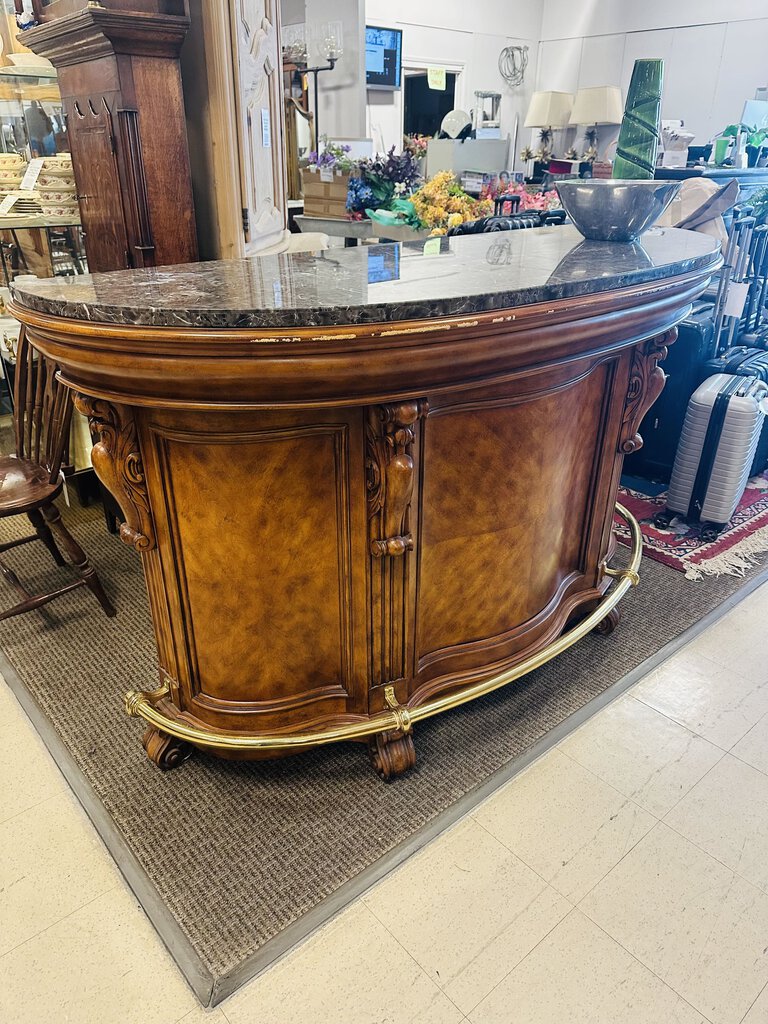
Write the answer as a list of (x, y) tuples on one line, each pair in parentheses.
[(441, 204)]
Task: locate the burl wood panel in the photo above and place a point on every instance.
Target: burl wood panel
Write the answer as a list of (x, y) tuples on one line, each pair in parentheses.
[(272, 630), (504, 509)]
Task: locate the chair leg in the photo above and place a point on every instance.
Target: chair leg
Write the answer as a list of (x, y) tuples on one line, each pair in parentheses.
[(43, 531), (77, 556)]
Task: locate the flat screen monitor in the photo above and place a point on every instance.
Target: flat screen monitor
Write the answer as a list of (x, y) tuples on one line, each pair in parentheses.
[(383, 57), (383, 263)]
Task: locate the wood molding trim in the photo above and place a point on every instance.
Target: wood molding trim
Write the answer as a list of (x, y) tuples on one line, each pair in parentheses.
[(96, 32), (225, 190)]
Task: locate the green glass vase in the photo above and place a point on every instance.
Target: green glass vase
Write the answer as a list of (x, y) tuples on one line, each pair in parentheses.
[(639, 134)]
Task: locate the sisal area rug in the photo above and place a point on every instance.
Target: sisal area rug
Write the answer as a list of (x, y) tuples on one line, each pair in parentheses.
[(235, 862), (735, 551)]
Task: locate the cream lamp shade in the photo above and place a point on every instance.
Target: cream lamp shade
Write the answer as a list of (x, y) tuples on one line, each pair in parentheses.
[(549, 110), (600, 105)]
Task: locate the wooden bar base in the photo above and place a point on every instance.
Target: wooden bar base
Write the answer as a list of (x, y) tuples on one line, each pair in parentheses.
[(348, 527)]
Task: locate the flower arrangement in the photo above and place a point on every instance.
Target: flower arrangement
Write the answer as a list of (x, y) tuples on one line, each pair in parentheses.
[(333, 157), (359, 198), (382, 180), (441, 204), (528, 200), (416, 144)]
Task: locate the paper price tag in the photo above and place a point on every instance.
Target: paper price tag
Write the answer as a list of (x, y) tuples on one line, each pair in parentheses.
[(7, 204), (432, 246), (737, 296), (266, 128), (326, 175), (32, 173)]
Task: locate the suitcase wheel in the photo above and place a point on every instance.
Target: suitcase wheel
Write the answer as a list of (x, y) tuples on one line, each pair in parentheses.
[(662, 519), (710, 532)]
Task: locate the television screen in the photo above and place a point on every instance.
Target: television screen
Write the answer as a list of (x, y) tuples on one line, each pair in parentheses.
[(383, 263), (383, 57)]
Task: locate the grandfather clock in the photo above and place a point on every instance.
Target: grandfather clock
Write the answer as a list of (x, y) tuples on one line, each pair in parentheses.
[(118, 71)]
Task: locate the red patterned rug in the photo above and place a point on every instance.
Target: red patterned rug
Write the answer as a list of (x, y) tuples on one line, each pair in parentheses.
[(680, 545)]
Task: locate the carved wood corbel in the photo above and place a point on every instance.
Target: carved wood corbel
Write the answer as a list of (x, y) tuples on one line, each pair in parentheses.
[(390, 438), (646, 382), (117, 462), (389, 463)]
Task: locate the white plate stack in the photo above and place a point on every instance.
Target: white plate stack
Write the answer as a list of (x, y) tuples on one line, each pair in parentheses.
[(12, 167)]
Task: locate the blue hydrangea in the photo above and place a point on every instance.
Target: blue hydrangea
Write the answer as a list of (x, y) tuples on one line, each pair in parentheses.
[(359, 195)]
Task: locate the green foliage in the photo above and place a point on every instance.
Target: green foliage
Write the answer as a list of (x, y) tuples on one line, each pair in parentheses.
[(755, 136), (401, 211)]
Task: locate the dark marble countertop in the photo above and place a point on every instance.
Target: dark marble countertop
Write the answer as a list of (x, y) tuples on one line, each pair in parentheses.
[(372, 284)]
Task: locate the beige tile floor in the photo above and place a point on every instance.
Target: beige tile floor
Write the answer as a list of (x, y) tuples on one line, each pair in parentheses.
[(621, 879)]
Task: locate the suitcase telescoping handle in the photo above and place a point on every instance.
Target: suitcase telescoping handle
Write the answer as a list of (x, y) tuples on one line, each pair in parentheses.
[(734, 269), (711, 442)]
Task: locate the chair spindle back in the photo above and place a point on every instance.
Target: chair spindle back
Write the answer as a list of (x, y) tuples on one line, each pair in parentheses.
[(42, 409)]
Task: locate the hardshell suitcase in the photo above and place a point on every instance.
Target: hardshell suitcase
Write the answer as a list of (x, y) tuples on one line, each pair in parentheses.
[(743, 361), (720, 434), (684, 366)]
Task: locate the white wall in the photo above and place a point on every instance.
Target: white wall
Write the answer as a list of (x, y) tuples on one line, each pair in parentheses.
[(341, 92), (711, 65), (563, 19), (292, 12), (469, 40)]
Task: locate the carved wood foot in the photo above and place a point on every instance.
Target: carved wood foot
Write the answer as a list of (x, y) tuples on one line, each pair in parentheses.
[(391, 754), (163, 750), (609, 623)]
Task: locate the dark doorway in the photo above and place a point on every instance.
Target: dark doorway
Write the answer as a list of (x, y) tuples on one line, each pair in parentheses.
[(425, 108)]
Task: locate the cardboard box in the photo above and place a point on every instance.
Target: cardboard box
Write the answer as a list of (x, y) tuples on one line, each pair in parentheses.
[(324, 198)]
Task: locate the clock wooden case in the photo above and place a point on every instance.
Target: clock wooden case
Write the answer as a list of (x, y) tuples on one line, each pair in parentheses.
[(118, 70)]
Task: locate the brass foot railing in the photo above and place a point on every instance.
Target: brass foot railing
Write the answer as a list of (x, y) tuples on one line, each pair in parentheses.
[(397, 717)]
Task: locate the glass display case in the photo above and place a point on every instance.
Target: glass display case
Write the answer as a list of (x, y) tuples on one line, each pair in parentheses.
[(35, 237), (31, 115)]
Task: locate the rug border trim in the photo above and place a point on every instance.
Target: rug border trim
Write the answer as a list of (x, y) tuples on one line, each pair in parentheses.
[(211, 990)]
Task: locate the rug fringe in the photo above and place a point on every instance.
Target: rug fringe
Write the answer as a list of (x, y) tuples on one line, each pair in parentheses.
[(736, 561)]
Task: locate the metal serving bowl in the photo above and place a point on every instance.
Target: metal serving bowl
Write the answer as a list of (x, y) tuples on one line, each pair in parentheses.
[(615, 209)]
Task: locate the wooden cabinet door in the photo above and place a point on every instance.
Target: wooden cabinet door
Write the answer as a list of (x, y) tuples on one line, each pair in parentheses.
[(98, 185), (257, 63)]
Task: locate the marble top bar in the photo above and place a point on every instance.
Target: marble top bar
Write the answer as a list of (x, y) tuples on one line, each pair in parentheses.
[(372, 284)]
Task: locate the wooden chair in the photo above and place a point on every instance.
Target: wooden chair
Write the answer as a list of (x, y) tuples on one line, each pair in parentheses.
[(31, 480)]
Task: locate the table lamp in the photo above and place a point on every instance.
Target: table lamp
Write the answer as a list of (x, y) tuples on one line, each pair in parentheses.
[(548, 110), (599, 105)]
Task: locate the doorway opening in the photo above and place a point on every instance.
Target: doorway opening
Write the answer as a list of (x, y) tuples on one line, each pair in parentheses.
[(425, 108)]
